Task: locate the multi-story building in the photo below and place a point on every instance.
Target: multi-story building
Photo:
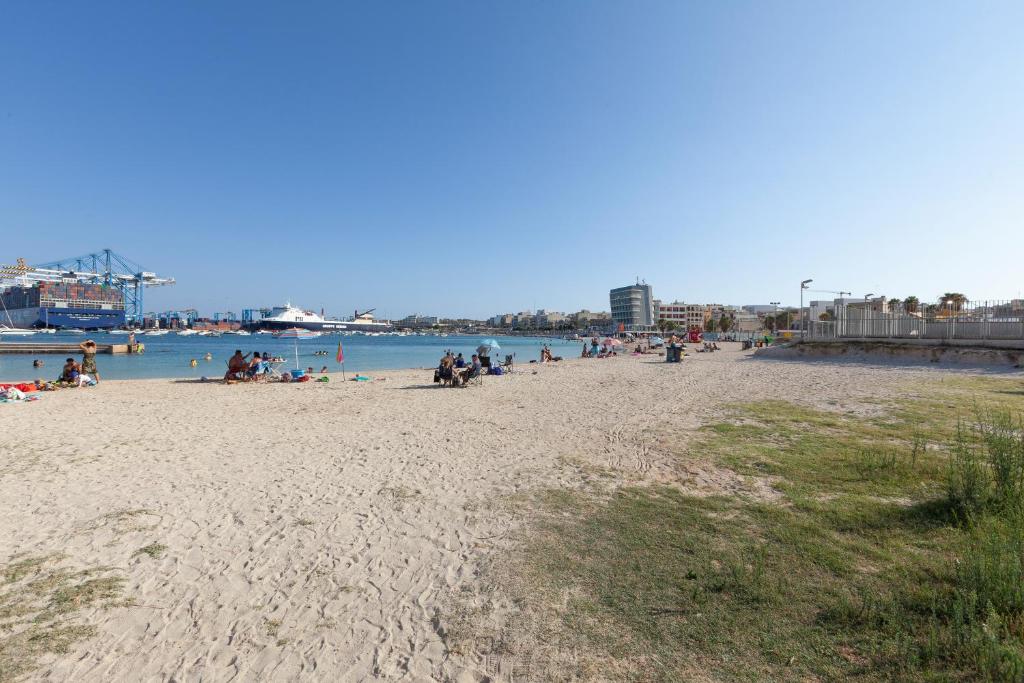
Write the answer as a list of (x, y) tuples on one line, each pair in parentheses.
[(503, 320), (685, 316), (588, 319), (633, 307), (548, 319), (416, 320)]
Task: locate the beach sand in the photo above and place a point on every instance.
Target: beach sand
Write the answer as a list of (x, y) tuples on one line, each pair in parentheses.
[(320, 531)]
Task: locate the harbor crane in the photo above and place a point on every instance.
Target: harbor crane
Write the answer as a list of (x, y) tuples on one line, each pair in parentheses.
[(101, 268)]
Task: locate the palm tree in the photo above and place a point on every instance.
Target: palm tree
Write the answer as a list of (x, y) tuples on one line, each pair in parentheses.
[(725, 323), (894, 304), (911, 303), (953, 300)]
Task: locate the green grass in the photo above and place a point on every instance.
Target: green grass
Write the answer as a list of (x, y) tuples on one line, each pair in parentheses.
[(868, 569), (40, 603), (153, 550)]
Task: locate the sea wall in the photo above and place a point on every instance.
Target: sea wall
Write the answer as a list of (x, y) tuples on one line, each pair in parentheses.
[(899, 352)]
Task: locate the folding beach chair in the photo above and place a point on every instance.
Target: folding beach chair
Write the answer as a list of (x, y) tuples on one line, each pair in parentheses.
[(506, 367)]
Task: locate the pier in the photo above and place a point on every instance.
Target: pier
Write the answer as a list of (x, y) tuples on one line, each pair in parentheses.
[(65, 349)]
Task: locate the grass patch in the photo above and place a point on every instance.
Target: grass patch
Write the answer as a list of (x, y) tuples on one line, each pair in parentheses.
[(897, 552), (39, 606), (153, 550)]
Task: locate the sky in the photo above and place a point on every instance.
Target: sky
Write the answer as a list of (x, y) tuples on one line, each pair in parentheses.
[(474, 158)]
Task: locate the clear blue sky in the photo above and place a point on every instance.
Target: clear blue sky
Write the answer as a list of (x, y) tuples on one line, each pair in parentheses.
[(471, 158)]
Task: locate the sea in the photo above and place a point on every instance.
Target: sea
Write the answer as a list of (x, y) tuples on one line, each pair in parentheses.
[(170, 356)]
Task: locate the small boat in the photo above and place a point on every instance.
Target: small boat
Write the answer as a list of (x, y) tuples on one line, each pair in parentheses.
[(46, 330), (73, 330), (156, 333), (186, 333), (15, 331), (296, 333), (241, 333)]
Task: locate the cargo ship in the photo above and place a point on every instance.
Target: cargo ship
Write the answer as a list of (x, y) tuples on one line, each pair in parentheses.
[(288, 317), (63, 305)]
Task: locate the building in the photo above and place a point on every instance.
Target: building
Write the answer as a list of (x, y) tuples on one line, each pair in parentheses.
[(548, 319), (502, 320), (418, 321), (633, 307), (589, 319), (760, 309), (685, 316)]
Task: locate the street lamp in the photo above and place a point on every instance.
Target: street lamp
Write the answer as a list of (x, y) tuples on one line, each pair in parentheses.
[(775, 316), (803, 318)]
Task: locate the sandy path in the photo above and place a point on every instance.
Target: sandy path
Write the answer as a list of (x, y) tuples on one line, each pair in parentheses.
[(316, 531)]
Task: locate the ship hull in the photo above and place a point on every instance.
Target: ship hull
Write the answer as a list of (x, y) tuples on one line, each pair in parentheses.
[(326, 326), (83, 318)]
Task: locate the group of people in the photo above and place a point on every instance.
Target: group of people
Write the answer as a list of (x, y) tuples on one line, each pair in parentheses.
[(77, 374), (546, 357), (595, 350), (454, 370), (245, 368)]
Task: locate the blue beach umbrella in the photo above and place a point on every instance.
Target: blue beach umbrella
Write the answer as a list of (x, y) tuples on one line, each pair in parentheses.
[(490, 343)]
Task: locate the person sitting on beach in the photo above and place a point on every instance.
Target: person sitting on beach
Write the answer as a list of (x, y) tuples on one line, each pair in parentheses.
[(471, 371), (237, 366), (265, 356), (545, 354), (460, 362), (70, 372), (323, 370), (257, 366), (444, 374), (586, 352)]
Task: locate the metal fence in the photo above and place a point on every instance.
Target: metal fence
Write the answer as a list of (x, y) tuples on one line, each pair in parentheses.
[(942, 320)]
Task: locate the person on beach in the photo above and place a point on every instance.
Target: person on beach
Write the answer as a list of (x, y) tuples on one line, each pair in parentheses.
[(593, 347), (89, 359), (70, 372), (471, 371), (586, 352), (237, 366), (460, 362)]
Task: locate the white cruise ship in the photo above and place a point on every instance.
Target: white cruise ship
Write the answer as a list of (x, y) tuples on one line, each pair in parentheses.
[(288, 316)]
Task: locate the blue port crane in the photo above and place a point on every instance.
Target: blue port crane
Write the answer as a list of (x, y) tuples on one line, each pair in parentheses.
[(101, 268)]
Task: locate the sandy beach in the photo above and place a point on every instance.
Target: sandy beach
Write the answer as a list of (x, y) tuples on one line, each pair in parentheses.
[(320, 531)]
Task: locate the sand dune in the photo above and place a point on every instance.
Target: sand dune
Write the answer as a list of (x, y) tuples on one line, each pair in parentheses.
[(317, 531)]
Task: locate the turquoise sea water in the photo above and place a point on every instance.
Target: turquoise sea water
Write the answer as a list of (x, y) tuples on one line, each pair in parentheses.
[(169, 355)]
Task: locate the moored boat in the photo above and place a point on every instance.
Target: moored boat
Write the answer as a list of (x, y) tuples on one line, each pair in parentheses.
[(296, 333)]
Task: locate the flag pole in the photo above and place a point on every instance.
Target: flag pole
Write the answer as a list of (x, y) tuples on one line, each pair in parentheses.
[(341, 359)]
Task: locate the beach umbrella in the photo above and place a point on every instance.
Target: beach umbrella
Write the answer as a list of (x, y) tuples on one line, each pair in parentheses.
[(490, 343), (657, 340), (611, 342)]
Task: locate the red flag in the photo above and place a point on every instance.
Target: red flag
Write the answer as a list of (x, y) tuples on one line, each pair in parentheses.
[(341, 354)]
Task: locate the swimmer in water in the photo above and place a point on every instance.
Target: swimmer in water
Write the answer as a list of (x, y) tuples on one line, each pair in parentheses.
[(208, 356), (193, 362)]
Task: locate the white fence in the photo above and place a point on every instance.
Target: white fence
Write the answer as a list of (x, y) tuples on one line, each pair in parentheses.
[(966, 320)]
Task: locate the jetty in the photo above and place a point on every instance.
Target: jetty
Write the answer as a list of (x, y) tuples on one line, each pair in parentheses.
[(65, 349)]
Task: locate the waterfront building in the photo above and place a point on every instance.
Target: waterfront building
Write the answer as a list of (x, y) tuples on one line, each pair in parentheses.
[(633, 307), (684, 315)]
